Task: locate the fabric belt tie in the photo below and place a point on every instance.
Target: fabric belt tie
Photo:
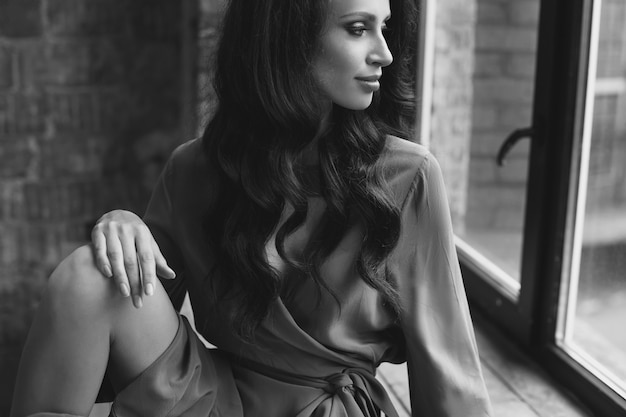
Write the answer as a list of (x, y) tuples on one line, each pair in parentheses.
[(358, 389)]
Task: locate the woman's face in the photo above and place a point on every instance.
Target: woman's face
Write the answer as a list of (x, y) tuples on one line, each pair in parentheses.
[(352, 52)]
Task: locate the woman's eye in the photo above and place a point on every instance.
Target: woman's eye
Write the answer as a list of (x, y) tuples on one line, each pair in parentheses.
[(356, 30)]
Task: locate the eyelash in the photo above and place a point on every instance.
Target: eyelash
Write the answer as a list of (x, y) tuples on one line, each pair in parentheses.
[(357, 29)]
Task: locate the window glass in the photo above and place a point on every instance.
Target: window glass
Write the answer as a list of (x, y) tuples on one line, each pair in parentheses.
[(594, 298), (484, 75)]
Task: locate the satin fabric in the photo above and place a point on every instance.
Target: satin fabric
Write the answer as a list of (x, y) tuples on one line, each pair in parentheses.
[(191, 380), (316, 338)]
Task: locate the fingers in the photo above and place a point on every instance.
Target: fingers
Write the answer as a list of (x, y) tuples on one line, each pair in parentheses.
[(146, 262), (114, 253), (126, 251), (131, 269), (100, 249), (163, 270)]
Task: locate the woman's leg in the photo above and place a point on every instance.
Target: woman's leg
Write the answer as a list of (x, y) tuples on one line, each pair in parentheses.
[(83, 323)]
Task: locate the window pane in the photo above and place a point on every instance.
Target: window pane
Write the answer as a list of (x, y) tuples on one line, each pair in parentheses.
[(490, 83), (593, 322)]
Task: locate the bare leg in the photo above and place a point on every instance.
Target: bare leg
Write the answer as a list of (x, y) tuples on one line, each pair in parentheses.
[(83, 324)]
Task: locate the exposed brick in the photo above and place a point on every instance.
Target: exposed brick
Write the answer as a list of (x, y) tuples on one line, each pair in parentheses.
[(61, 200), (7, 57), (86, 18), (486, 143), (515, 116), (18, 156), (454, 39), (9, 244), (484, 117), (503, 90), (82, 156), (514, 171), (41, 244), (487, 65), (32, 65), (152, 19), (74, 76), (524, 12), (456, 13), (20, 18), (456, 95), (11, 200), (86, 111), (84, 62), (491, 11), (482, 170), (20, 291), (505, 38), (21, 113), (521, 65)]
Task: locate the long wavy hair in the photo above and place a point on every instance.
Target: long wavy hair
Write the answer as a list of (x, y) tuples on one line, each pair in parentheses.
[(269, 110)]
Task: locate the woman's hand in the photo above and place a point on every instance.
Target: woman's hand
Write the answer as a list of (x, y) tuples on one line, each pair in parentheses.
[(126, 251)]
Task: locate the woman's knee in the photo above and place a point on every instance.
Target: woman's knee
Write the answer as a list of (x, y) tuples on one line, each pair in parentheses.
[(76, 282)]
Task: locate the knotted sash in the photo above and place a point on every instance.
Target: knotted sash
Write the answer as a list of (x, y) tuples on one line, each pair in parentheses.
[(359, 391)]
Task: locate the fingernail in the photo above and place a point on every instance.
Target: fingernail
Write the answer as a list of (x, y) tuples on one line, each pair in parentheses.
[(124, 290), (172, 274), (149, 288), (137, 301), (107, 271)]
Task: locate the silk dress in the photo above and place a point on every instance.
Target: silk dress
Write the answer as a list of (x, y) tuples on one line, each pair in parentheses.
[(314, 356)]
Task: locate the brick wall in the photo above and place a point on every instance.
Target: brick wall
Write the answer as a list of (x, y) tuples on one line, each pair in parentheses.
[(452, 99), (506, 35), (89, 110)]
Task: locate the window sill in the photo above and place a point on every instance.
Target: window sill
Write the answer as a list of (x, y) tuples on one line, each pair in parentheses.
[(517, 386)]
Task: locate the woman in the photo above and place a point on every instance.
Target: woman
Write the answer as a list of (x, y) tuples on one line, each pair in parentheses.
[(313, 244)]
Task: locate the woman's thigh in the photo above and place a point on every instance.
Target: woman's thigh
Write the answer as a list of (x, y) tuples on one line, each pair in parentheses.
[(82, 326)]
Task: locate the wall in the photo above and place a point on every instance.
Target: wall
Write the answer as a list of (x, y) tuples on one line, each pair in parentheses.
[(452, 99), (506, 37), (89, 110)]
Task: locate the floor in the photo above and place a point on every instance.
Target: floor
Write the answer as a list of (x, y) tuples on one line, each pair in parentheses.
[(516, 386)]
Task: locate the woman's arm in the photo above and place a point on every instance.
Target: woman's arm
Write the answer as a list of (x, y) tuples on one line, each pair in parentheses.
[(134, 250), (444, 368)]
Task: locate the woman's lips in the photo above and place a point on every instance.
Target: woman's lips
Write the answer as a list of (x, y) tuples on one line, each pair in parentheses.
[(370, 82)]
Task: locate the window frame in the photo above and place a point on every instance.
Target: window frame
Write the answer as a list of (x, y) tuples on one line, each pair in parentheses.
[(531, 318)]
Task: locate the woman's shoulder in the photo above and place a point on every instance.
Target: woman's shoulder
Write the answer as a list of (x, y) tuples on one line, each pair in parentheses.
[(188, 174), (188, 159), (188, 152), (404, 160)]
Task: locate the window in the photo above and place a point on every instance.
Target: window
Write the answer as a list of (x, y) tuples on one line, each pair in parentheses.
[(541, 86)]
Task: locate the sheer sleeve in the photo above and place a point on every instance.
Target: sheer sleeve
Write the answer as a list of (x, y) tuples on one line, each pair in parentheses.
[(445, 377), (159, 217)]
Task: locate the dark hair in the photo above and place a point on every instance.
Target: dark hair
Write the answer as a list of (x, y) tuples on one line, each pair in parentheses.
[(268, 112)]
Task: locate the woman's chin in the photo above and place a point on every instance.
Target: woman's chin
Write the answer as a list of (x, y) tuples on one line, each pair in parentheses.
[(356, 104)]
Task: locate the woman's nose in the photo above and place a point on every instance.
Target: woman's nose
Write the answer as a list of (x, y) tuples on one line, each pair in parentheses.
[(380, 53)]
